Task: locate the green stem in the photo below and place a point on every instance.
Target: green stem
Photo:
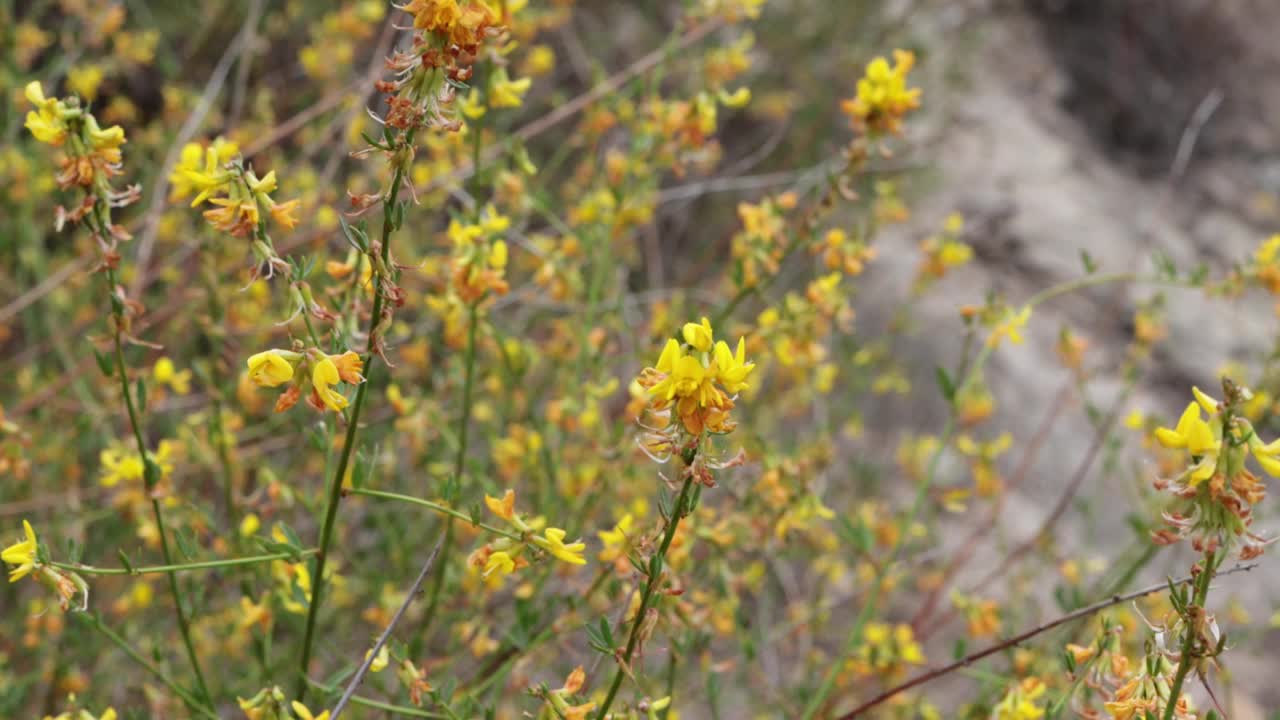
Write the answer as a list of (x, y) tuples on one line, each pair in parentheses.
[(353, 423), (191, 702), (1190, 634), (150, 478), (203, 565), (464, 422), (655, 573), (443, 509)]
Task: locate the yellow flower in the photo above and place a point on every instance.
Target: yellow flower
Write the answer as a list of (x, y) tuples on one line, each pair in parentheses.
[(45, 122), (110, 139), (305, 714), (733, 368), (504, 508), (1198, 438), (505, 92), (249, 525), (1011, 327), (883, 97), (23, 554), (165, 374), (737, 99), (272, 368), (349, 365), (616, 540), (498, 255), (698, 335), (193, 154), (323, 376), (501, 561), (1020, 702), (210, 179), (379, 661), (85, 80), (553, 542)]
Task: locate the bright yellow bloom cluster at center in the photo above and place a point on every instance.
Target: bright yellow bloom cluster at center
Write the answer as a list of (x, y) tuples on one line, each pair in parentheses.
[(699, 379)]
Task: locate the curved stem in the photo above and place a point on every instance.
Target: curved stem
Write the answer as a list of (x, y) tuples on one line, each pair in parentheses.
[(183, 567), (655, 573), (443, 509), (150, 478)]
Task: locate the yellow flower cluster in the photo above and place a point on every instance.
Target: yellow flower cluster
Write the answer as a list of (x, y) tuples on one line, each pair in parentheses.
[(273, 368), (1215, 490), (91, 157), (462, 24), (1021, 701), (239, 195), (505, 555), (886, 650), (698, 379), (944, 252), (883, 98), (479, 255)]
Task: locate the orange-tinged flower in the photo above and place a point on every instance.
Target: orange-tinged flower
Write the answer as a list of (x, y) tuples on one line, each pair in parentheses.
[(504, 508), (349, 365), (324, 375)]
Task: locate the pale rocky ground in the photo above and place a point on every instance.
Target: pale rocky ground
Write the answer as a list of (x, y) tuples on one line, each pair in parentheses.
[(1037, 188)]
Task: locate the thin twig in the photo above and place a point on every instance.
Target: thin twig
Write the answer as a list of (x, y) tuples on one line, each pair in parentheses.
[(386, 632), (1191, 133), (1083, 612)]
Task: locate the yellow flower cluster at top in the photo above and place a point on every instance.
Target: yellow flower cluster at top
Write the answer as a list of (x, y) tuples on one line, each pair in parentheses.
[(91, 158), (883, 98), (698, 379), (1216, 490), (273, 368)]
